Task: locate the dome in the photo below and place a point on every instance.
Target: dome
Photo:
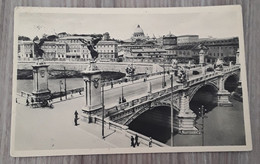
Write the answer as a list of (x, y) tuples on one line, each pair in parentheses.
[(138, 30)]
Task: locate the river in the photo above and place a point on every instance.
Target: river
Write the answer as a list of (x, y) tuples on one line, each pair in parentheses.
[(223, 126)]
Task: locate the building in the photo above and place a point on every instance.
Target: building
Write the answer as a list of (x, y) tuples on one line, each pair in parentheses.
[(169, 40), (147, 55), (185, 53), (106, 36), (66, 48), (49, 49), (107, 50), (25, 50), (187, 39), (76, 47), (224, 49)]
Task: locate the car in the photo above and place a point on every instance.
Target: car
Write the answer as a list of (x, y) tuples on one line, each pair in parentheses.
[(195, 72)]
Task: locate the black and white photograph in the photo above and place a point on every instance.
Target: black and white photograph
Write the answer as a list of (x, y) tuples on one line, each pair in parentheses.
[(133, 80)]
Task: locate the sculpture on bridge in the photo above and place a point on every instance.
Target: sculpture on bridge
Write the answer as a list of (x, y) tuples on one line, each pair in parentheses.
[(91, 46), (219, 65), (37, 44), (181, 76)]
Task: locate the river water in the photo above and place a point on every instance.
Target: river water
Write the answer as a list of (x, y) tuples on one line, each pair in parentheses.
[(223, 126)]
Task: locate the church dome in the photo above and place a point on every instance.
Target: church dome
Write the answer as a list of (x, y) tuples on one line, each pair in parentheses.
[(138, 29)]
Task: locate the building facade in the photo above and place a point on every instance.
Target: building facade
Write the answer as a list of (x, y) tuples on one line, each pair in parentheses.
[(107, 50), (169, 40), (187, 39)]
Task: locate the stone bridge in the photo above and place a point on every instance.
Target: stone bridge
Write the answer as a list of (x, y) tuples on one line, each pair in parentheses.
[(183, 93)]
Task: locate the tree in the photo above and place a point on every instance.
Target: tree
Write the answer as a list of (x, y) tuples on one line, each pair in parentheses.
[(24, 38)]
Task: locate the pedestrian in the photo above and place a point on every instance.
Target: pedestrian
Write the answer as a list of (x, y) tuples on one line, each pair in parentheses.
[(132, 141), (27, 102), (76, 118), (32, 100), (136, 140), (111, 84), (150, 142)]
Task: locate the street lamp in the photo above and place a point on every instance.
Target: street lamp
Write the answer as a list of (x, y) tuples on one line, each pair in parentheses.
[(163, 82), (103, 110), (202, 114), (65, 84), (60, 90), (172, 132)]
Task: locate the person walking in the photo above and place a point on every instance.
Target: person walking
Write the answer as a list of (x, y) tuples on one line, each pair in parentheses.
[(27, 102), (132, 141), (136, 140), (76, 118)]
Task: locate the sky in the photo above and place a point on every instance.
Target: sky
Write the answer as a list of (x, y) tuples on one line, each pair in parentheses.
[(121, 26)]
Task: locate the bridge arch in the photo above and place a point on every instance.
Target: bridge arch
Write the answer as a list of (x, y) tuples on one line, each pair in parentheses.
[(154, 123), (197, 88), (230, 82), (204, 94)]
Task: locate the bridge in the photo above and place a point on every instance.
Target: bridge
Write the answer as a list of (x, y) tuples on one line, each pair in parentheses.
[(146, 95)]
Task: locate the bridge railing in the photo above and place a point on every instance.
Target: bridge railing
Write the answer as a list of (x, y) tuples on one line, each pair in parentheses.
[(210, 75), (109, 124), (125, 109), (138, 77)]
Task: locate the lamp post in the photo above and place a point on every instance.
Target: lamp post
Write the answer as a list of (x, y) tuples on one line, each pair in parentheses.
[(65, 83), (103, 111), (172, 132), (60, 90), (202, 113), (163, 81)]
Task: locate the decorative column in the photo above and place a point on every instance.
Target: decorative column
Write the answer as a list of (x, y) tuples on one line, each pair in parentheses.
[(237, 57), (186, 118), (41, 92), (202, 57), (92, 88), (223, 95)]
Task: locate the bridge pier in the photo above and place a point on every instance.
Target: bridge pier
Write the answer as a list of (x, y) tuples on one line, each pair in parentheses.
[(223, 95), (92, 88), (185, 120)]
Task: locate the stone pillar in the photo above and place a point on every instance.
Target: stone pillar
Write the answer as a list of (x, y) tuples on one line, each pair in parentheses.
[(185, 120), (92, 88), (223, 95), (237, 57), (41, 92), (202, 57)]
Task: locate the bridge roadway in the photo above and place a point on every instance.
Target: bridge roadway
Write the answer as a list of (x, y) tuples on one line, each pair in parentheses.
[(139, 88)]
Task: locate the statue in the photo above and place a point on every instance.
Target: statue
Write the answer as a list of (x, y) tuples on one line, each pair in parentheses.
[(37, 47), (91, 46), (181, 76), (219, 65)]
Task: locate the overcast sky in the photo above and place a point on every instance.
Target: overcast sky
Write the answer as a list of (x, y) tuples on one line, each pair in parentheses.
[(121, 26)]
